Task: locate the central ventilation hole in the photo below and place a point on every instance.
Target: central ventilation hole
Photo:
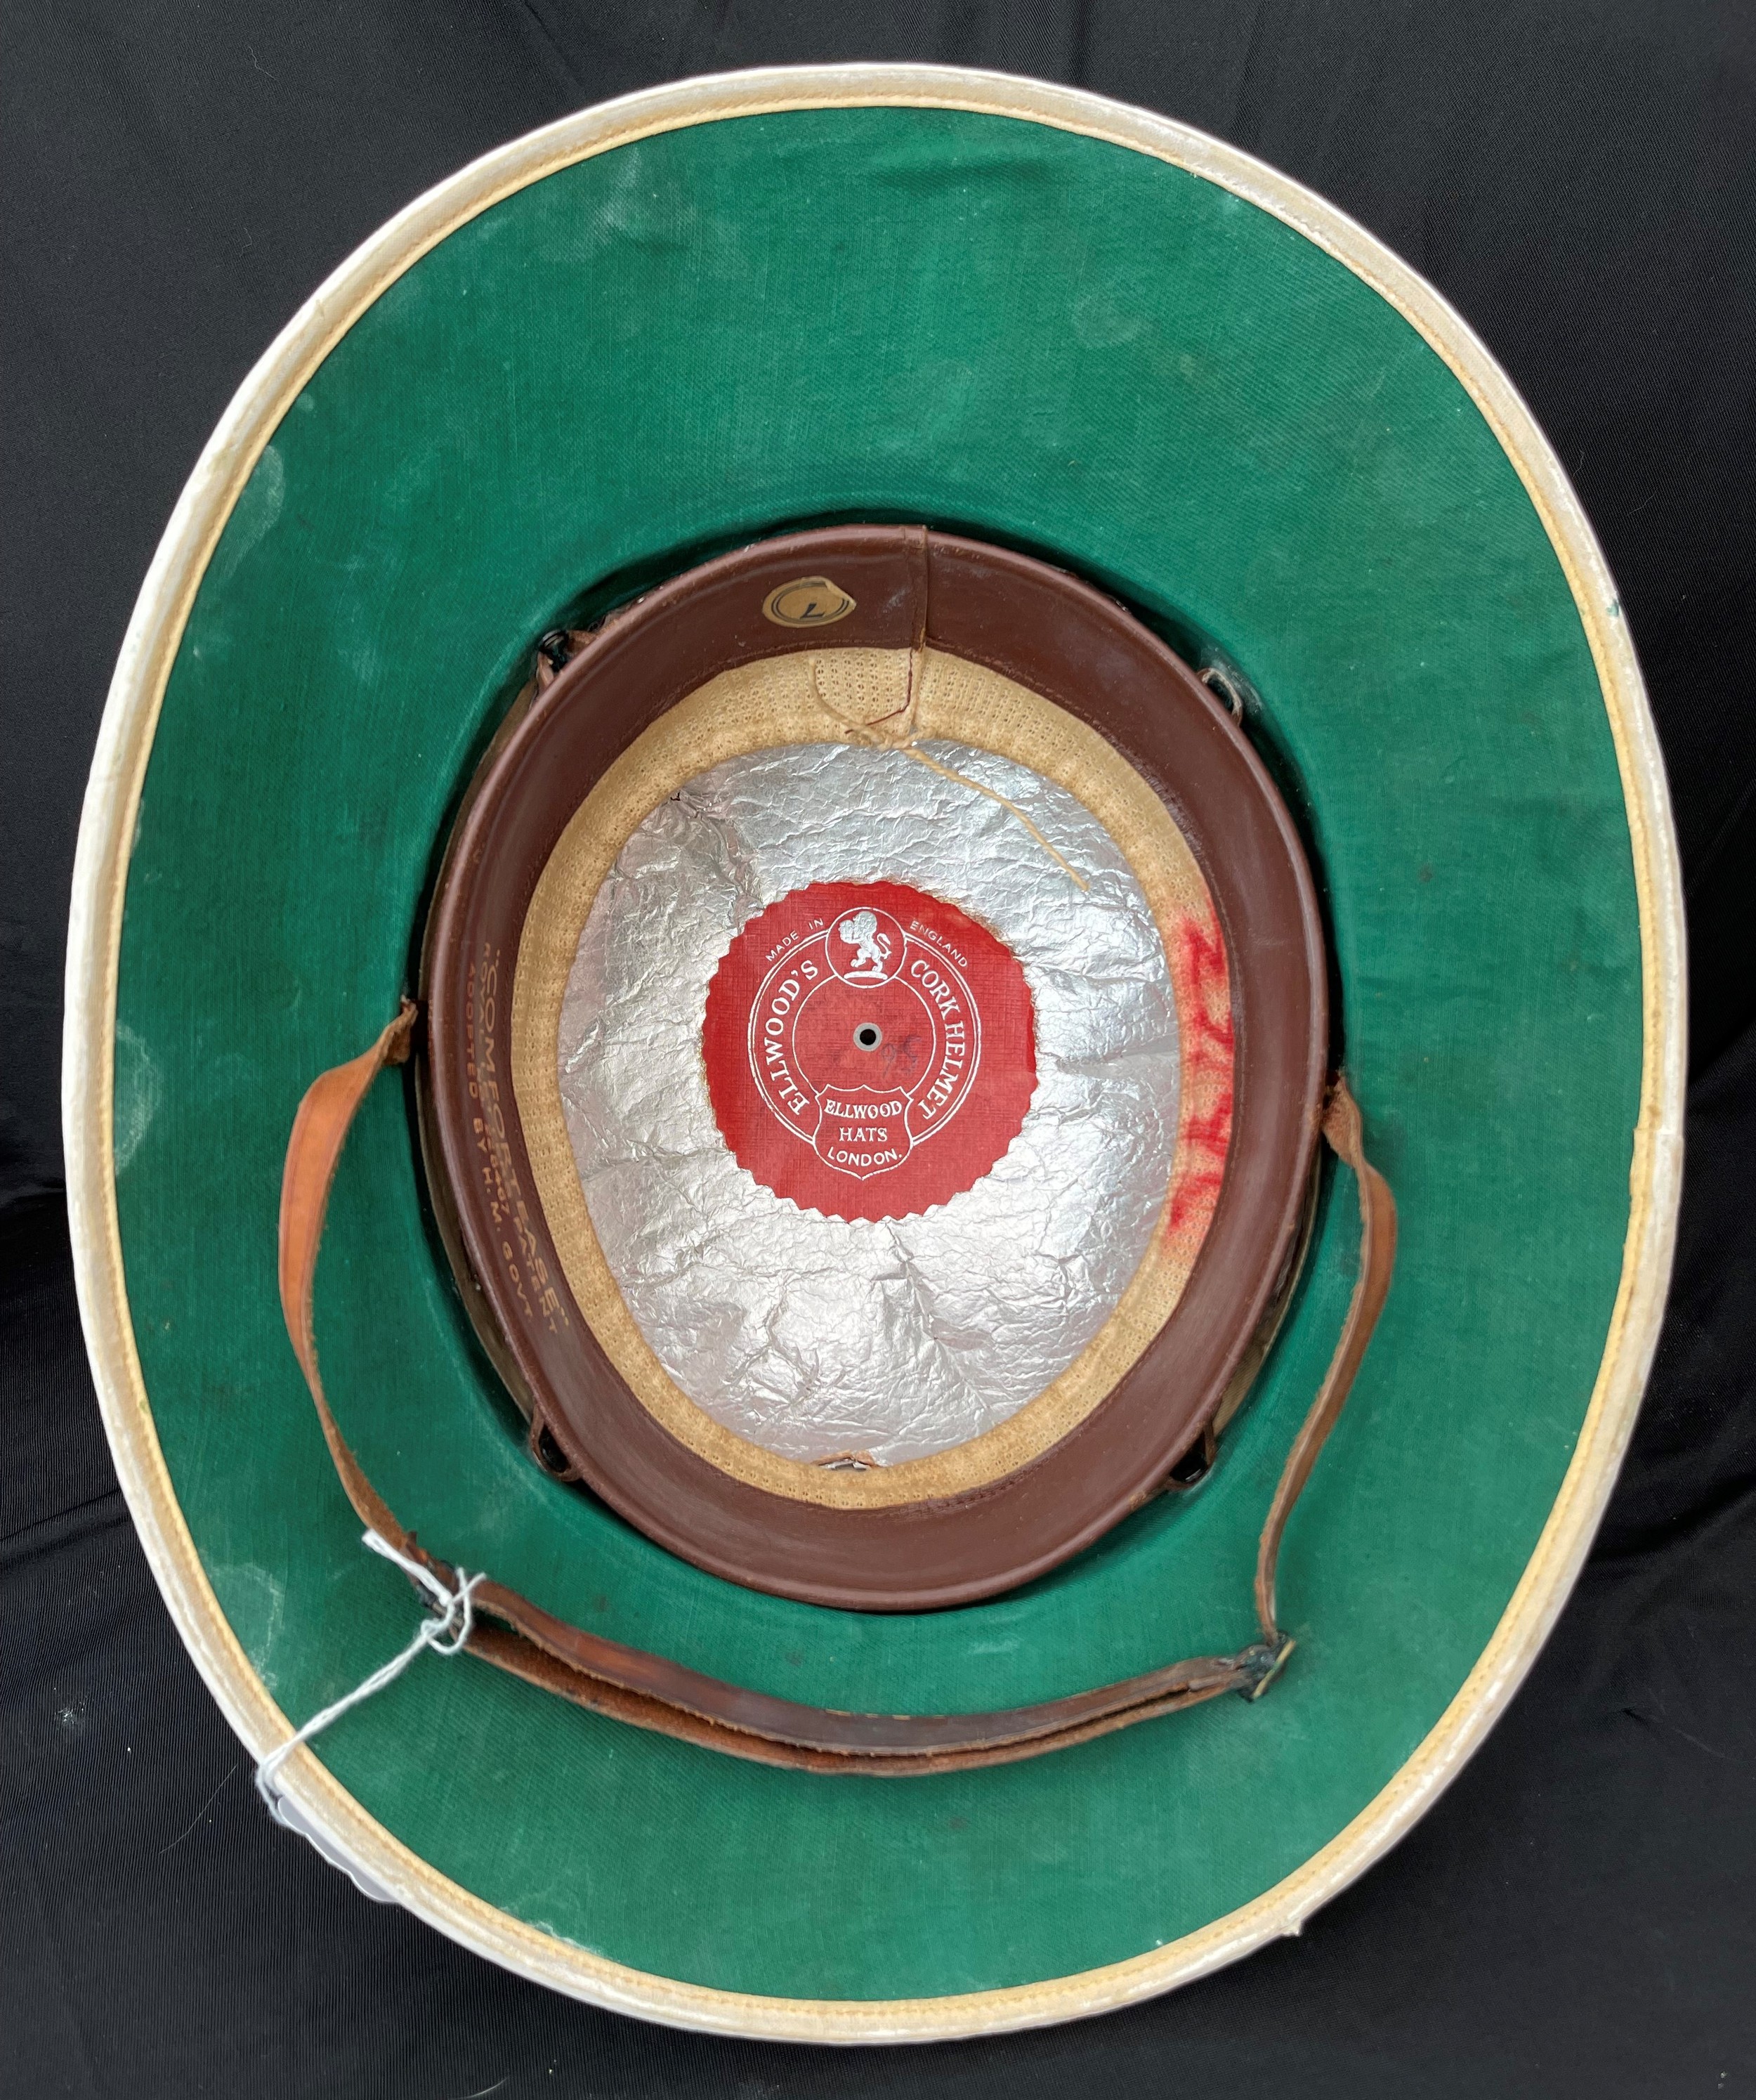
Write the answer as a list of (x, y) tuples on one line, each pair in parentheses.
[(868, 1036)]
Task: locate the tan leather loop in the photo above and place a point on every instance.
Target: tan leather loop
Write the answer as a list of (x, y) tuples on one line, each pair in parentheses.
[(650, 1692), (314, 1150), (1378, 1254)]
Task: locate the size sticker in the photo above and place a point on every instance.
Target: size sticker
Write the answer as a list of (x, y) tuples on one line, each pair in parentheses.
[(869, 1049)]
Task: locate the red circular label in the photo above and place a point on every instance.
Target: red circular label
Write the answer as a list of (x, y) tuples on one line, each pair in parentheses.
[(869, 1049)]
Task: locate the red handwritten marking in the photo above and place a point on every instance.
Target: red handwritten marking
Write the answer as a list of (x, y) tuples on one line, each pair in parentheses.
[(1211, 1132), (1197, 1196), (1201, 955), (1202, 982)]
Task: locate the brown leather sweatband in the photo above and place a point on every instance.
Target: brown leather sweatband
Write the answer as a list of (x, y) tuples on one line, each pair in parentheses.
[(1116, 706)]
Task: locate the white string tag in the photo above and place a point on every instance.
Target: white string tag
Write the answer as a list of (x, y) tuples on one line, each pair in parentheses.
[(445, 1634)]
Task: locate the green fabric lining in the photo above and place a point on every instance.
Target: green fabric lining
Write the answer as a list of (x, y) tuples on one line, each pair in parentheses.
[(986, 324)]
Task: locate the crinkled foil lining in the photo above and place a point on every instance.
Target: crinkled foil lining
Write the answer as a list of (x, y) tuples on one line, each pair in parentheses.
[(819, 1337)]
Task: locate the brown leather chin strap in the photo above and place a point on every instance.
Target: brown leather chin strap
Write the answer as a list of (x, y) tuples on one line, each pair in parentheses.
[(649, 1691)]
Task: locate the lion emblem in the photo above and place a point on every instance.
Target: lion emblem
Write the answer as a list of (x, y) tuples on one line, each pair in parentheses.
[(871, 948)]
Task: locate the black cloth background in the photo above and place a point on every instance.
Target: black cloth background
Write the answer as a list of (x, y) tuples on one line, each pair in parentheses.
[(1575, 1916)]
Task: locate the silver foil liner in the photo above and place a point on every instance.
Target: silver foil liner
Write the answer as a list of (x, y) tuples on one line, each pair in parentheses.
[(816, 1337)]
